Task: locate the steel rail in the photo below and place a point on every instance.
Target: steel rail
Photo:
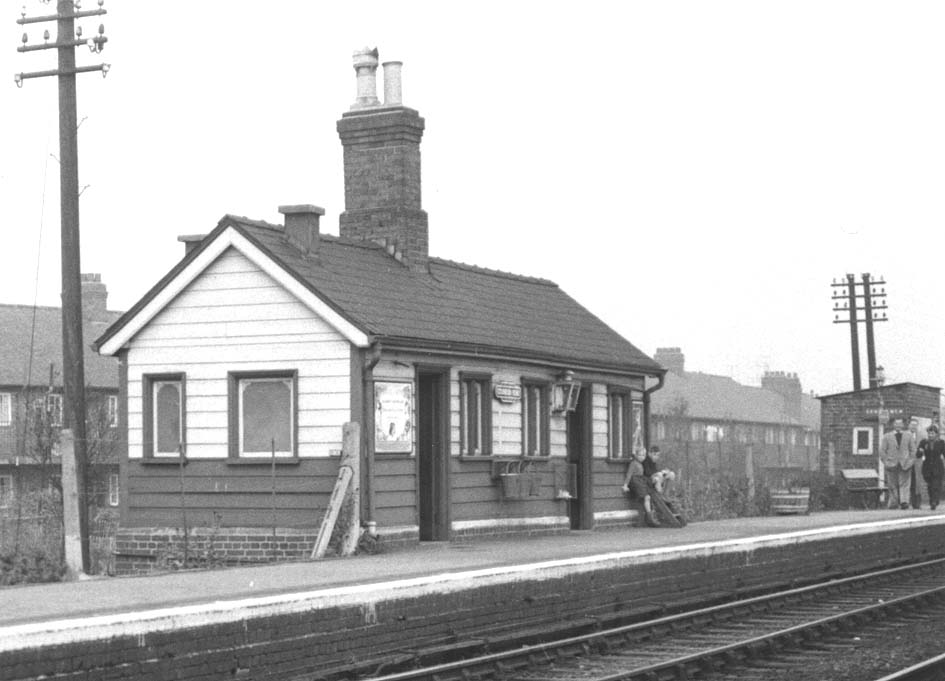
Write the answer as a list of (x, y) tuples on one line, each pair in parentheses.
[(931, 669), (587, 642)]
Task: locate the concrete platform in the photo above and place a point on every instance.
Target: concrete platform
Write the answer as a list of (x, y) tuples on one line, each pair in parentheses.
[(370, 591)]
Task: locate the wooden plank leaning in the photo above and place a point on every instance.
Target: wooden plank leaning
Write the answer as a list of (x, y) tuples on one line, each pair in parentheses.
[(348, 475)]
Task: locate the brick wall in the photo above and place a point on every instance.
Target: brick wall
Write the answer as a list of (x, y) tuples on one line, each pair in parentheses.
[(299, 637), (146, 549)]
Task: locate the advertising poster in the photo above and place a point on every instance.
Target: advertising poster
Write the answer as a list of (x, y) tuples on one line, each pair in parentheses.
[(393, 408)]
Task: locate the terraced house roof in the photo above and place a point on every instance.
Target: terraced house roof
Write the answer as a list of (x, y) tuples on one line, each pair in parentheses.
[(32, 342)]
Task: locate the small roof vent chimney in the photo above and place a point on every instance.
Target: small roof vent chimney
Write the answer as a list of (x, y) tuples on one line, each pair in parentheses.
[(301, 226)]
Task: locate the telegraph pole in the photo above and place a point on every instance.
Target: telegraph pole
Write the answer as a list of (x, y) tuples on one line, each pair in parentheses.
[(73, 369), (873, 299)]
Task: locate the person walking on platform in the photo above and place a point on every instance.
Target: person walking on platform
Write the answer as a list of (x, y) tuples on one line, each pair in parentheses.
[(932, 453), (919, 489), (898, 456)]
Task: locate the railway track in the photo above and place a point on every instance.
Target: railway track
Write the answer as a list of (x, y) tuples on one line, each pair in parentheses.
[(710, 641)]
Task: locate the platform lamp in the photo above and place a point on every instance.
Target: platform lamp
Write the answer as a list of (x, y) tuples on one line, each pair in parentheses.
[(565, 393)]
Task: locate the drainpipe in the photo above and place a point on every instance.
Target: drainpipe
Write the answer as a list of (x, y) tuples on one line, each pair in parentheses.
[(372, 357), (661, 379)]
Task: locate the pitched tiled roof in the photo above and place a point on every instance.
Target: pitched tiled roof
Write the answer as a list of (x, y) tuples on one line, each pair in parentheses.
[(453, 306), (16, 329), (722, 398)]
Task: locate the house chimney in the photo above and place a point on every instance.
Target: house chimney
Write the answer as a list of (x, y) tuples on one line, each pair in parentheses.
[(788, 386), (382, 167), (190, 241), (94, 297), (671, 358), (301, 226)]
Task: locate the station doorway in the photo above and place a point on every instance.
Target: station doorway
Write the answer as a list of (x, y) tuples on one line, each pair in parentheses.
[(433, 454), (580, 448)]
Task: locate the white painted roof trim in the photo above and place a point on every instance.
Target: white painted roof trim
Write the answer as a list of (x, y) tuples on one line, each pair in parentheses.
[(226, 239)]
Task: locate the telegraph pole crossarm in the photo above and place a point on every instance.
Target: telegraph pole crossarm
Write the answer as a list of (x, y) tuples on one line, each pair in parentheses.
[(73, 369), (849, 300)]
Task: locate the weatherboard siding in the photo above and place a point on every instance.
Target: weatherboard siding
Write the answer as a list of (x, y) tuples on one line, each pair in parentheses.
[(234, 317)]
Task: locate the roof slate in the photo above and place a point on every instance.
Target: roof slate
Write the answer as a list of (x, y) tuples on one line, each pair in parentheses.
[(451, 305), (722, 398), (16, 329)]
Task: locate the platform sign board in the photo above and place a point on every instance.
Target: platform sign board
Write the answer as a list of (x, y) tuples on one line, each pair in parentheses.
[(507, 392)]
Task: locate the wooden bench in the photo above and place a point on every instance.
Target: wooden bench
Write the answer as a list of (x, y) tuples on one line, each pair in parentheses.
[(863, 485)]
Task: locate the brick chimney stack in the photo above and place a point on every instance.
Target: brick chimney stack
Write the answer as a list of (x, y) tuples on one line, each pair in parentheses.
[(671, 358), (301, 226), (94, 298), (382, 165), (788, 386)]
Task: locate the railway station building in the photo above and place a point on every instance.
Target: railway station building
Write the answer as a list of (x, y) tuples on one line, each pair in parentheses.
[(489, 402)]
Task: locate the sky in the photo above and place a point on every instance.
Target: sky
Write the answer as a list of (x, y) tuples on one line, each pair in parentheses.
[(695, 173)]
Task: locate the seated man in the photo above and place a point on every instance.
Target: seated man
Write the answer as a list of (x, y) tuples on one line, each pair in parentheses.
[(638, 483)]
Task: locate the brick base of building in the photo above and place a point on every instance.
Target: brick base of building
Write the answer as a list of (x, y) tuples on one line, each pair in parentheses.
[(147, 549), (141, 550)]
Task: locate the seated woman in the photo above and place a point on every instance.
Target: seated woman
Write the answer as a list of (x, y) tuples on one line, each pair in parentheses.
[(638, 483)]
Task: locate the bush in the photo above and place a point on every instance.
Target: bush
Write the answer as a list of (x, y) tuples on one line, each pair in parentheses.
[(32, 565)]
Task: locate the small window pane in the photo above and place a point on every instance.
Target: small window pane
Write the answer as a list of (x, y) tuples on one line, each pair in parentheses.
[(862, 439), (167, 419), (6, 491), (113, 489), (112, 411), (266, 416), (636, 426), (6, 409)]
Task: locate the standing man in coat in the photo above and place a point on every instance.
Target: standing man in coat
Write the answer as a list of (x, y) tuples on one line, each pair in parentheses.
[(898, 456), (919, 488)]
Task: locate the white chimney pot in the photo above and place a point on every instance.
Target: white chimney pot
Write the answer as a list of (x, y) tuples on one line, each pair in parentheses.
[(392, 87), (365, 66)]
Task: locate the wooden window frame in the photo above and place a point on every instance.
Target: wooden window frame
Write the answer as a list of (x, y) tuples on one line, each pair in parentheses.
[(113, 489), (484, 411), (871, 445), (619, 436), (54, 405), (148, 382), (234, 378), (542, 430), (111, 410), (6, 410), (6, 499)]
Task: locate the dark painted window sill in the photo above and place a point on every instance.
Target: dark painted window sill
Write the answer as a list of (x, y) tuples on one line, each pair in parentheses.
[(161, 461), (263, 461)]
